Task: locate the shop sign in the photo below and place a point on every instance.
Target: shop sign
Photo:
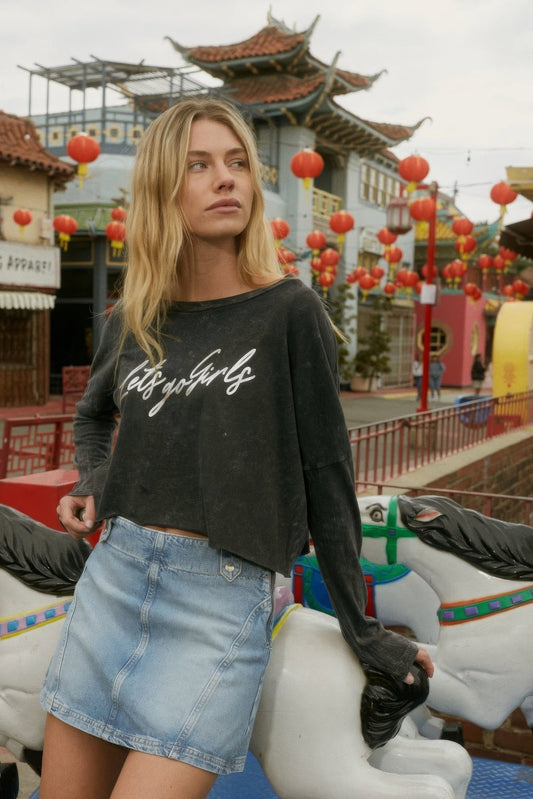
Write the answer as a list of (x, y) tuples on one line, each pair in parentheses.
[(29, 265), (370, 242)]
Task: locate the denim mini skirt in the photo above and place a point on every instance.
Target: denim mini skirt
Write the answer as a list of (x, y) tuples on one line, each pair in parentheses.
[(164, 647)]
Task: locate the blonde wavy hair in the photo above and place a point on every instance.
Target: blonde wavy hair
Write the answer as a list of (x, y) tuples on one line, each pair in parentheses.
[(157, 233)]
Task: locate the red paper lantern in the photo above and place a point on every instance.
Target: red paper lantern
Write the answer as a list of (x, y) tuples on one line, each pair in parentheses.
[(377, 272), (386, 236), (352, 278), (326, 280), (291, 269), (280, 230), (413, 169), (457, 270), (508, 255), (425, 271), (22, 217), (462, 226), (307, 165), (470, 289), (366, 284), (83, 149), (520, 289), (447, 273), (329, 257), (285, 256), (502, 194), (410, 280), (317, 265), (393, 255), (316, 240), (65, 225), (423, 208), (389, 288), (508, 290), (119, 214), (465, 246), (116, 233), (499, 263), (484, 262), (340, 223)]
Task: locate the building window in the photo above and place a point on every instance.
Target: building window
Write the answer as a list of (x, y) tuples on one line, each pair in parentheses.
[(377, 187)]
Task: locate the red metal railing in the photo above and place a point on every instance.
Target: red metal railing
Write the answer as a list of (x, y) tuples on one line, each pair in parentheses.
[(382, 450), (385, 450)]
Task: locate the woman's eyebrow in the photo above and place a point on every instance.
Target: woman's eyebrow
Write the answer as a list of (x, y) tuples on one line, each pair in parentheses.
[(207, 153)]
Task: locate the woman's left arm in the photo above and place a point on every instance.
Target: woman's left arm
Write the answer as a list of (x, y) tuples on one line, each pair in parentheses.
[(333, 513)]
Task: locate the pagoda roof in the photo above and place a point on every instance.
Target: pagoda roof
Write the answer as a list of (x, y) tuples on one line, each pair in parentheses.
[(273, 49), (20, 146), (274, 74)]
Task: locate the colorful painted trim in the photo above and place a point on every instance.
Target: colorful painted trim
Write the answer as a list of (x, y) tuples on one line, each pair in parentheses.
[(458, 613), (15, 625), (282, 618)]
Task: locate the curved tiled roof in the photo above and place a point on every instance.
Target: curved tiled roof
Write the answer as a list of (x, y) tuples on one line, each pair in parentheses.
[(270, 41), (20, 146)]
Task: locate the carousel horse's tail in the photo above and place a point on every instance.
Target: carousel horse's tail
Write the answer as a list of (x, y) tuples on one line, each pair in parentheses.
[(385, 702)]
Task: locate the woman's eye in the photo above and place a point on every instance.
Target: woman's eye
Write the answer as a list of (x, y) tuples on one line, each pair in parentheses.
[(239, 163), (197, 165)]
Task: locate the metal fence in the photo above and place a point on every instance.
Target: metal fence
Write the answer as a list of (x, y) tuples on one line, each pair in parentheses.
[(385, 450), (382, 450)]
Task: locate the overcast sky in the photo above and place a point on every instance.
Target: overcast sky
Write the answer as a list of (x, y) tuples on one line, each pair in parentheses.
[(467, 64)]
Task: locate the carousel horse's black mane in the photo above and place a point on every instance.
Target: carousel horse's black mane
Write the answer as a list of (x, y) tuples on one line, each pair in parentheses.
[(44, 559), (385, 702), (500, 548)]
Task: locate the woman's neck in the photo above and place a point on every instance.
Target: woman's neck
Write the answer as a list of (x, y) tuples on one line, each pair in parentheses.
[(210, 273)]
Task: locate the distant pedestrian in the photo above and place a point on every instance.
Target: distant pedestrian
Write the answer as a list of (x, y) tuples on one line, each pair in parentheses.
[(418, 369), (477, 373), (436, 369)]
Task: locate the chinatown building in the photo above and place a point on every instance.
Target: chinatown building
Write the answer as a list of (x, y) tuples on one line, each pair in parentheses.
[(29, 261), (291, 101)]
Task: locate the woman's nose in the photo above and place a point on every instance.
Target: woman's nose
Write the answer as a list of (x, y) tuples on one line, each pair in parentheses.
[(224, 179)]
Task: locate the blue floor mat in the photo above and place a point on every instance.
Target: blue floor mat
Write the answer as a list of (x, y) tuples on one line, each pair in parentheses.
[(493, 779)]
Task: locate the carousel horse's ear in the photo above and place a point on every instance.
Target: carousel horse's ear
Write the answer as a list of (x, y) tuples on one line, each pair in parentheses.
[(427, 515), (385, 702)]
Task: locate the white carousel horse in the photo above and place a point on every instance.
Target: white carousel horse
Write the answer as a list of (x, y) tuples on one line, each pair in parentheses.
[(308, 735), (482, 572)]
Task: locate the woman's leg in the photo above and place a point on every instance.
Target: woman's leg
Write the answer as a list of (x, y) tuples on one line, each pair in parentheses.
[(77, 765), (146, 775)]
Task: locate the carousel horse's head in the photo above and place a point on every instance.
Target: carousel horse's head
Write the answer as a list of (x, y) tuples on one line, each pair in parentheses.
[(503, 549)]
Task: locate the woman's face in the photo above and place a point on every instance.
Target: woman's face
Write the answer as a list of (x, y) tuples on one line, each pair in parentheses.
[(217, 194)]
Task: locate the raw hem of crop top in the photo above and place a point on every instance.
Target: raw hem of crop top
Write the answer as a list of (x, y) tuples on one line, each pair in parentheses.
[(205, 305)]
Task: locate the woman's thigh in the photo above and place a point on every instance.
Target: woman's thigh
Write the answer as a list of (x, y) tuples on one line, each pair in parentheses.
[(77, 765), (144, 775)]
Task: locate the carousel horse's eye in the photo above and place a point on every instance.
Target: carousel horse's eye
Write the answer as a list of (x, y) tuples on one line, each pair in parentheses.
[(376, 513)]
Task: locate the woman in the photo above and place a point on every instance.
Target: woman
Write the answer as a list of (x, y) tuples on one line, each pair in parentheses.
[(436, 370), (223, 373)]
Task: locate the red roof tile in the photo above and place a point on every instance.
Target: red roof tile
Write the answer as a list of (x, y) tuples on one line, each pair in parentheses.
[(277, 88), (20, 146), (269, 41)]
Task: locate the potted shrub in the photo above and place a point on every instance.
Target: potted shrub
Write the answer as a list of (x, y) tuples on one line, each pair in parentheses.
[(372, 356)]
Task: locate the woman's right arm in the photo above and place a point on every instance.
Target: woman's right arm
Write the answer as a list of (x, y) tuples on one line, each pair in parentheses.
[(94, 426)]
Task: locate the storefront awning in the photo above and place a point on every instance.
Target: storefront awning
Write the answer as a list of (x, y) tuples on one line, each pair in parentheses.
[(26, 300)]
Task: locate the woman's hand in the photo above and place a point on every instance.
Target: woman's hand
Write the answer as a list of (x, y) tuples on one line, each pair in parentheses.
[(77, 515), (424, 660)]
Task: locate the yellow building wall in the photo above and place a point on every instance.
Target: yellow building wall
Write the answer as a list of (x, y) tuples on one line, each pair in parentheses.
[(512, 353), (31, 190)]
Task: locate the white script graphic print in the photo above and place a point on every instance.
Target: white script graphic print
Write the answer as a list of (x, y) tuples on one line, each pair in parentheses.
[(152, 383)]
